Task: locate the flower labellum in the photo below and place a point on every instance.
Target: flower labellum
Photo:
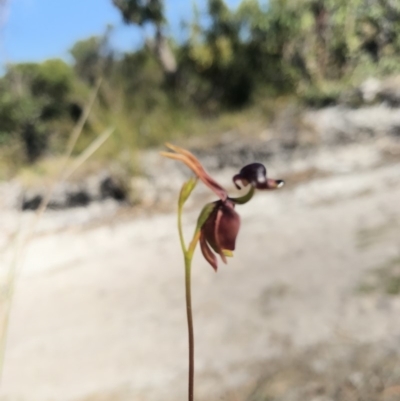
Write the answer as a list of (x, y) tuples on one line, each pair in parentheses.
[(255, 174)]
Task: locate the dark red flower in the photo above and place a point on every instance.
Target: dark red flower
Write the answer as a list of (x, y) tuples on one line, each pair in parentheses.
[(219, 231)]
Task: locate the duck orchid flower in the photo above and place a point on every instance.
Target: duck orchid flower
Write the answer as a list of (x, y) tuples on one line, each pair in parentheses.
[(217, 226), (219, 229)]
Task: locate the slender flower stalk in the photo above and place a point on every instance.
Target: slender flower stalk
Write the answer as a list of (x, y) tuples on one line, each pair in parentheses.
[(217, 225), (188, 256), (189, 315)]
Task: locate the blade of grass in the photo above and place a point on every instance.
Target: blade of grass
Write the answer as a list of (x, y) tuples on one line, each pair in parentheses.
[(76, 132), (79, 161)]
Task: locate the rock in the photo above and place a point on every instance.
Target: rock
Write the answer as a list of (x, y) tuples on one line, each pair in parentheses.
[(77, 198), (302, 138), (10, 195), (31, 202), (388, 90), (70, 194), (142, 191), (339, 125), (370, 89), (110, 187)]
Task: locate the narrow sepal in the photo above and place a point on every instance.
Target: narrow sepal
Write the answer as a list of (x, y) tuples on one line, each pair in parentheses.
[(193, 163)]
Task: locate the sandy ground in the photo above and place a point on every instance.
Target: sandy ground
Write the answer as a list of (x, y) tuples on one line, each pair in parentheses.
[(99, 312)]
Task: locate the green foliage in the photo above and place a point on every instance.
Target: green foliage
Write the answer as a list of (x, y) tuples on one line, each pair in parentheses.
[(141, 11), (93, 57), (87, 57), (239, 53), (232, 60), (53, 79), (32, 97)]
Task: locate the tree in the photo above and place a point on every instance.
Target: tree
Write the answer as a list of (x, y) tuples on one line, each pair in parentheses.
[(142, 12), (93, 57), (32, 97)]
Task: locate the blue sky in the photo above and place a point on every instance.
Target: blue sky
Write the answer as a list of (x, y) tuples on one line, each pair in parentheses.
[(34, 30)]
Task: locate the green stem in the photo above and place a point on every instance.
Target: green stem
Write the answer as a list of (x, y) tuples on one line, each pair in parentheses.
[(245, 198), (181, 239), (188, 255), (189, 315)]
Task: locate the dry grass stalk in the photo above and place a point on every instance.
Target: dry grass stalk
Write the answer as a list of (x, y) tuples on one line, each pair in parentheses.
[(22, 241)]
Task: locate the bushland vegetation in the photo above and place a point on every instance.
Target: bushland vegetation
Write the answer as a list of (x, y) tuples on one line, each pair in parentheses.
[(230, 64)]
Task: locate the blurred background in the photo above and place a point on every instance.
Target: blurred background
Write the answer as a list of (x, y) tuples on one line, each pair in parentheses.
[(92, 300)]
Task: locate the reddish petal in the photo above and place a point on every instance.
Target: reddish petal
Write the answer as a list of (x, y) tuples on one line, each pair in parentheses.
[(216, 237), (208, 228), (207, 253), (220, 230), (227, 227)]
